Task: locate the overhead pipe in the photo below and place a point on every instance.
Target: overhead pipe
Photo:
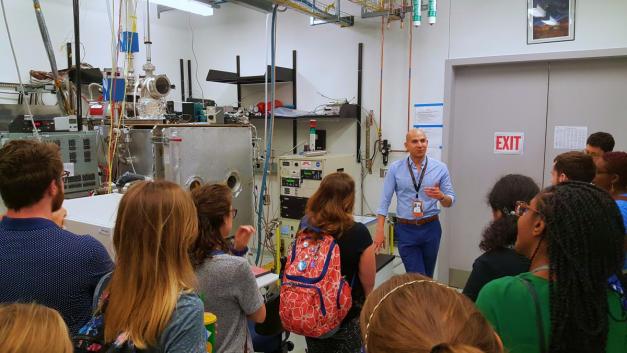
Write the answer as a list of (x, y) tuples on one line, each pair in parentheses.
[(368, 5), (147, 40), (45, 36), (311, 9)]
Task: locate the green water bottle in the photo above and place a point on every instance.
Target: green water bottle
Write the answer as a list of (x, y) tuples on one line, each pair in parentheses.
[(210, 325)]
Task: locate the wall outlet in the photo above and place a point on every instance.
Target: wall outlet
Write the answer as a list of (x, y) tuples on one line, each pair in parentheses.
[(383, 172)]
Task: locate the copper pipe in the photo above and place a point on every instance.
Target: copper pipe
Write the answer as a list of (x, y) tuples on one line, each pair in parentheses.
[(381, 73)]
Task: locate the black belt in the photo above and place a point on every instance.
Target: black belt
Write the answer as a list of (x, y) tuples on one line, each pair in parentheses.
[(417, 222)]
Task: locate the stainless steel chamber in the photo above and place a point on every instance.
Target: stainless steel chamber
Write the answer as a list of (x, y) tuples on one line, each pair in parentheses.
[(193, 155)]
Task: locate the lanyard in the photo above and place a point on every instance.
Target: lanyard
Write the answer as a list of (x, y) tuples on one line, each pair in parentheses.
[(422, 175)]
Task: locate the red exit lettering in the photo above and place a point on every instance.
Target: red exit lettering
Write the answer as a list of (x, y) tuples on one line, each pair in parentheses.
[(508, 143)]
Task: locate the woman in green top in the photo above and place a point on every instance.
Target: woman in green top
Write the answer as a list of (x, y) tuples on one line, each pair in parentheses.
[(573, 234)]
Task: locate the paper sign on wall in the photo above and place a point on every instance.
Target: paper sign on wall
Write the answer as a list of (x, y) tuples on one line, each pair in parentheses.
[(509, 142), (435, 153), (430, 117), (570, 137), (434, 134), (429, 114), (69, 167)]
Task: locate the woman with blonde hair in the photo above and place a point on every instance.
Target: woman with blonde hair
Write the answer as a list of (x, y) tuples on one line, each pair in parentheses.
[(148, 301), (413, 313), (32, 328)]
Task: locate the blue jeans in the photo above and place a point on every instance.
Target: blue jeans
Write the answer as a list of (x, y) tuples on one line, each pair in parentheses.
[(418, 246)]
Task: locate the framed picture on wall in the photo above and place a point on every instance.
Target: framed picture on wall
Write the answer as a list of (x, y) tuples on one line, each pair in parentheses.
[(550, 21)]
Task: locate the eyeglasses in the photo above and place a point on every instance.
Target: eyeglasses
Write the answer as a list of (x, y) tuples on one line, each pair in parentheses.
[(233, 212), (522, 207), (64, 175)]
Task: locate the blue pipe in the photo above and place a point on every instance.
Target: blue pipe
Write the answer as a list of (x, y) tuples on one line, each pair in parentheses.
[(266, 164)]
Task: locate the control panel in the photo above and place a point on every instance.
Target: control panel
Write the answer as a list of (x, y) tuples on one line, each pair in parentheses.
[(79, 152), (300, 178)]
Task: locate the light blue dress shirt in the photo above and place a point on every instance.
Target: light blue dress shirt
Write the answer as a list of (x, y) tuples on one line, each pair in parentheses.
[(398, 180)]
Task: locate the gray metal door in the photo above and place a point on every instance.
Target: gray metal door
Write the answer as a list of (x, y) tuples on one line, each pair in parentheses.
[(591, 93), (488, 99)]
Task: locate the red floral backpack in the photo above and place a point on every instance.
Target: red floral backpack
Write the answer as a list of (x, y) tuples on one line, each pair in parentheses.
[(315, 297)]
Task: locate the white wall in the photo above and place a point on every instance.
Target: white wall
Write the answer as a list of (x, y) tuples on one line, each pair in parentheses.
[(95, 36), (497, 27), (327, 55), (327, 63), (327, 59), (494, 28)]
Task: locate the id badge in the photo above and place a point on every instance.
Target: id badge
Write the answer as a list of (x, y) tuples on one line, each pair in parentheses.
[(417, 209)]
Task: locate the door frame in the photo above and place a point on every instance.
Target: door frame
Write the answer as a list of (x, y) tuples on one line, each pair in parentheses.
[(451, 67)]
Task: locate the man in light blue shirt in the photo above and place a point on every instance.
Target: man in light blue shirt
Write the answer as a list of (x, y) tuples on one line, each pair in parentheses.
[(419, 183)]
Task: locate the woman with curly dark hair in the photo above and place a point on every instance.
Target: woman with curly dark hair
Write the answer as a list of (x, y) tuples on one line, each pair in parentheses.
[(573, 235), (499, 259), (226, 282)]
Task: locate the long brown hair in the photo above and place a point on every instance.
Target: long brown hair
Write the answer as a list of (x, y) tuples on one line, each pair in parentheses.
[(427, 317), (213, 203), (32, 328), (331, 206), (155, 227)]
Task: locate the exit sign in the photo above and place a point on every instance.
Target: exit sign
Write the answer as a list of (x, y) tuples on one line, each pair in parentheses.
[(509, 142)]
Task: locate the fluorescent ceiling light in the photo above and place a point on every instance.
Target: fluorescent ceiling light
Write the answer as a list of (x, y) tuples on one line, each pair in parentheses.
[(192, 6)]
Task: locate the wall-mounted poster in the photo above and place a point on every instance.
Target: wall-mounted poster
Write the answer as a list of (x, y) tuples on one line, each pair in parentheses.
[(550, 21)]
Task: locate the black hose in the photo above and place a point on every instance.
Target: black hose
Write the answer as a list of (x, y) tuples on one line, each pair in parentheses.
[(77, 58)]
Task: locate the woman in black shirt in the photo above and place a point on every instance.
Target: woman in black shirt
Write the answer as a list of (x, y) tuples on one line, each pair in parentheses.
[(331, 210), (499, 259)]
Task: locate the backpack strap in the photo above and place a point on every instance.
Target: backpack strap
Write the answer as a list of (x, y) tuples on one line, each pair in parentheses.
[(98, 292), (539, 324)]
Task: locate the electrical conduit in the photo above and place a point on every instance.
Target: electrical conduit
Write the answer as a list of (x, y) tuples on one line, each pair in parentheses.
[(266, 164)]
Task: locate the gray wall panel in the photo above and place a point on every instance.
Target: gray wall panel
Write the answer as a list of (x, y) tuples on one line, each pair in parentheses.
[(487, 99), (590, 93)]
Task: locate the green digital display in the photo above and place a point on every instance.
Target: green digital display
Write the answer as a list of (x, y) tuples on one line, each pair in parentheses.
[(311, 174), (290, 182)]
